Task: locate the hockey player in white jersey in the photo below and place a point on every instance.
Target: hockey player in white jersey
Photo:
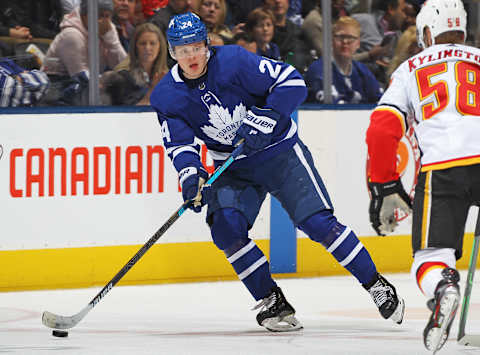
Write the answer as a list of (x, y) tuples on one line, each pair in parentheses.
[(221, 95), (438, 92)]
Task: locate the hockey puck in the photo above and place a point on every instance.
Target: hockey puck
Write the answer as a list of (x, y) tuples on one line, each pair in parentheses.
[(60, 333)]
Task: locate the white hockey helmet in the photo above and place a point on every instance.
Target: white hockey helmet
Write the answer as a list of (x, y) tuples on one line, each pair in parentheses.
[(441, 16)]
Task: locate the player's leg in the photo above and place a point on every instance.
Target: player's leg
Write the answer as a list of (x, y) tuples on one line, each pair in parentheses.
[(440, 209), (234, 204), (300, 189)]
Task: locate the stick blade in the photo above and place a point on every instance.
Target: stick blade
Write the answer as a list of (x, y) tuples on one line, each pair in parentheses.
[(56, 321), (470, 340)]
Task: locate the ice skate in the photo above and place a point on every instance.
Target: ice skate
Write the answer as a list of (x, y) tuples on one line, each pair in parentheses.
[(385, 297), (444, 308), (276, 314)]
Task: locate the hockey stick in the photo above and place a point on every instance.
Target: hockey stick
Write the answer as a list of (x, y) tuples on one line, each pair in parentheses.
[(462, 338), (52, 320)]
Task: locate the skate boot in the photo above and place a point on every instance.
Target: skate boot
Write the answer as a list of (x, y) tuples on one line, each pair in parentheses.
[(276, 314), (385, 297), (444, 307)]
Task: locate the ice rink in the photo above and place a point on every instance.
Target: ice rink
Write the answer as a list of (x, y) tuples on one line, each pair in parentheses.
[(215, 318)]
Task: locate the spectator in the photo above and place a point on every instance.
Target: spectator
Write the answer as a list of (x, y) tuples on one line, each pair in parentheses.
[(412, 8), (212, 13), (352, 82), (34, 19), (299, 9), (260, 25), (388, 17), (122, 10), (151, 6), (380, 32), (162, 17), (146, 63), (237, 12), (137, 17), (66, 61), (69, 5), (19, 87), (312, 26), (287, 35), (407, 46), (243, 39)]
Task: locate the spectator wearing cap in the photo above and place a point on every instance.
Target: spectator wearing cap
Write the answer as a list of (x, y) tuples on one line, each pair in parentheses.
[(67, 57)]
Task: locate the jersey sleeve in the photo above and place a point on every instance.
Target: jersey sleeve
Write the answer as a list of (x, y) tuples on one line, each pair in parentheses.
[(179, 141), (281, 84), (388, 123)]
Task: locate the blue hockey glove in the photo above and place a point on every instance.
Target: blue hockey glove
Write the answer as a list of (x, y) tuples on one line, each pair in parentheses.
[(191, 180), (257, 129), (386, 197)]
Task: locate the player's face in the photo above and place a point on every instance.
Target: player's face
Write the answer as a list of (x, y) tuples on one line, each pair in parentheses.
[(346, 41), (148, 47), (192, 58), (210, 11), (263, 31)]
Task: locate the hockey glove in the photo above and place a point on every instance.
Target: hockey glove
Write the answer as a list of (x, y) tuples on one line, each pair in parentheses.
[(192, 180), (257, 129), (386, 197)]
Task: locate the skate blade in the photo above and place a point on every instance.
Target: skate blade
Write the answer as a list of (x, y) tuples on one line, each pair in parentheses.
[(397, 315), (437, 337), (286, 324)]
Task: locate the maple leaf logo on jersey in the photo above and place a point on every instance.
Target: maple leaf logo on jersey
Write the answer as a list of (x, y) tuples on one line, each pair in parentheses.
[(223, 125)]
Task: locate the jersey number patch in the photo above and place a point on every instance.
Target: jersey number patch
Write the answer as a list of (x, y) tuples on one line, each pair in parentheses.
[(267, 65), (467, 99)]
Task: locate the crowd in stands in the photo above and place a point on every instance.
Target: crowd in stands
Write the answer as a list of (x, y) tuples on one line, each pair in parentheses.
[(44, 45)]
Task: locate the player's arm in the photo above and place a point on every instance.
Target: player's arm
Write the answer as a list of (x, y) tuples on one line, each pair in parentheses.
[(387, 126), (281, 84), (280, 89), (179, 141)]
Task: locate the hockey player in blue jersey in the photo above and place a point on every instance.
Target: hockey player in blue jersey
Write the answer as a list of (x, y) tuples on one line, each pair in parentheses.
[(220, 95)]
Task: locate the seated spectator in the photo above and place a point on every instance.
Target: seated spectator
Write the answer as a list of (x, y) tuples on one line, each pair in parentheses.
[(352, 82), (122, 10), (261, 28), (146, 64), (212, 13), (69, 5), (246, 41), (66, 61), (380, 32), (312, 27), (137, 17), (288, 35), (237, 12), (162, 17), (407, 46), (19, 87), (26, 22), (299, 9), (149, 7), (40, 18)]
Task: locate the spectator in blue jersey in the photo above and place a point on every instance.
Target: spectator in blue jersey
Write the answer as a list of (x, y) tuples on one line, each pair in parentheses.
[(221, 95), (19, 87), (260, 25), (352, 82)]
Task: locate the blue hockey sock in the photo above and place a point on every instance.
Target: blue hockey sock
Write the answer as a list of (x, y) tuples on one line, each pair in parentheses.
[(342, 243), (229, 232)]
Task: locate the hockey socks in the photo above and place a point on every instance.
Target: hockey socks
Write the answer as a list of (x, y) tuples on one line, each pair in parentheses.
[(342, 243)]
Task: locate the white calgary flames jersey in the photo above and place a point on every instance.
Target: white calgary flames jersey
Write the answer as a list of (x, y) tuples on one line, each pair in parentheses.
[(438, 90)]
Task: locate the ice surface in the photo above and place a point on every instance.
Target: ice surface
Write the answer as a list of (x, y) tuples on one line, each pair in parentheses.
[(215, 318)]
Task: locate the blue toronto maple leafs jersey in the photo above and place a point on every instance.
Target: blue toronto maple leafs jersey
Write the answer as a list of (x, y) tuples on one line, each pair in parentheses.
[(212, 107)]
